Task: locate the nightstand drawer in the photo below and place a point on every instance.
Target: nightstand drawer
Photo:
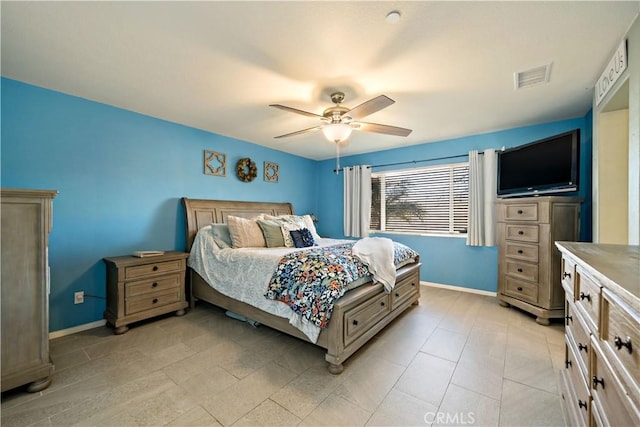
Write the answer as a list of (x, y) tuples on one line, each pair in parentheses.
[(136, 271), (524, 233), (148, 302), (523, 212), (158, 284)]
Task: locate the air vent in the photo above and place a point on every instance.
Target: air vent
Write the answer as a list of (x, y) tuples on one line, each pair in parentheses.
[(532, 77)]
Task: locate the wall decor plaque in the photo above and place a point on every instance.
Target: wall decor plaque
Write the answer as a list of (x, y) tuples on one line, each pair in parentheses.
[(270, 172), (215, 163)]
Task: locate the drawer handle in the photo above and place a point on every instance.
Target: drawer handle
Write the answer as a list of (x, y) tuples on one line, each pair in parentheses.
[(520, 212), (582, 404), (567, 363), (568, 318), (520, 288), (619, 343), (155, 300), (381, 303), (519, 270), (155, 268), (154, 285), (397, 294), (597, 381), (520, 251), (566, 275), (585, 296), (355, 322), (583, 347), (520, 232)]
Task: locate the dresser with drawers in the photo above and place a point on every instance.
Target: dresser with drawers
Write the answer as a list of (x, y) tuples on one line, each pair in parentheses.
[(528, 262), (600, 382), (27, 220), (141, 288)]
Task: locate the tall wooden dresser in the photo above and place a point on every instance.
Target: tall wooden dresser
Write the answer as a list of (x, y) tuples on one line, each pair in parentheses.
[(26, 224), (528, 261), (600, 382)]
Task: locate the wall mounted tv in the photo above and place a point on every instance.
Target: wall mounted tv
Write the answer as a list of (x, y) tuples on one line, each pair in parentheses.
[(547, 166)]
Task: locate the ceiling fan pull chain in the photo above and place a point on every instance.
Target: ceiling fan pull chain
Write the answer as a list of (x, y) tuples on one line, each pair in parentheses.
[(337, 159)]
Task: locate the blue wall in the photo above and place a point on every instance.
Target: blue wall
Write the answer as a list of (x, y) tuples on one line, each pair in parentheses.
[(447, 260), (121, 176)]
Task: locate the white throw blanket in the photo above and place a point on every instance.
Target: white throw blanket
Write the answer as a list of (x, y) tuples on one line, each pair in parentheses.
[(377, 254)]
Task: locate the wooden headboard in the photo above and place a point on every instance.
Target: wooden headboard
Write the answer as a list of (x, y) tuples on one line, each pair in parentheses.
[(201, 212)]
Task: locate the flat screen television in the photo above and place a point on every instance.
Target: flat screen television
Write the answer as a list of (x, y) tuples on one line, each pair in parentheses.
[(547, 166)]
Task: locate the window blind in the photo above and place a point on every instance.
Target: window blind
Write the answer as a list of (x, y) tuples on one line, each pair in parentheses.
[(422, 200)]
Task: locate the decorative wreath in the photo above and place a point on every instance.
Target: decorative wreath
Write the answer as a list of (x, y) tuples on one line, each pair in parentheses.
[(246, 170)]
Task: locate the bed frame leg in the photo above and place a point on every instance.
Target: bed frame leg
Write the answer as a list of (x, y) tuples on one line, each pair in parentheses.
[(335, 369)]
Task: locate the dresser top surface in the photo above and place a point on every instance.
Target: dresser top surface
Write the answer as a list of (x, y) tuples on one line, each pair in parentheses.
[(129, 260), (617, 266)]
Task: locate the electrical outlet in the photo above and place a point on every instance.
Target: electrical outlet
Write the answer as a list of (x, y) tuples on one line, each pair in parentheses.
[(78, 297)]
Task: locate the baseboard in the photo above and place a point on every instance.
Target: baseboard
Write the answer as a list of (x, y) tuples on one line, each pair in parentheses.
[(459, 288), (98, 323), (76, 329)]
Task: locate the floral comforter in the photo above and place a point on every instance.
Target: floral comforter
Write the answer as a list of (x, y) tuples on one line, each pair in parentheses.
[(311, 281)]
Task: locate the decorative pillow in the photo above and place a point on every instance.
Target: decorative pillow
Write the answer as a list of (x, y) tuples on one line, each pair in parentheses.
[(288, 223), (287, 227), (221, 236), (272, 232), (245, 233), (302, 238), (311, 226)]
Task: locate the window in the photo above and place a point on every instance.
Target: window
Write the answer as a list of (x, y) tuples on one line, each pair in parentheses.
[(431, 199)]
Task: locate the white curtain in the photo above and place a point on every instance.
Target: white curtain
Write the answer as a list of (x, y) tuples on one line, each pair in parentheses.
[(357, 200), (482, 197)]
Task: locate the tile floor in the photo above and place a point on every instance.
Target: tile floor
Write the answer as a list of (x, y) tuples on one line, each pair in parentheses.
[(455, 359)]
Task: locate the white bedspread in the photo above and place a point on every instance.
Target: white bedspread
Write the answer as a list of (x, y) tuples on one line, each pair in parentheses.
[(377, 254), (244, 274)]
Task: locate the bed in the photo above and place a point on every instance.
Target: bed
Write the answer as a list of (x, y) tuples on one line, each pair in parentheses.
[(356, 317)]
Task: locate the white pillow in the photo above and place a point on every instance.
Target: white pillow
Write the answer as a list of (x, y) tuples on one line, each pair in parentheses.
[(245, 233)]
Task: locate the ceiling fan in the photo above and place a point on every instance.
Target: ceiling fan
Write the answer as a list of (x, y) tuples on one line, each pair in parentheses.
[(339, 121)]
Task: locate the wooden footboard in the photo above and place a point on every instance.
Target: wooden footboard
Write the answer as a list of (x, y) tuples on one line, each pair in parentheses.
[(357, 317)]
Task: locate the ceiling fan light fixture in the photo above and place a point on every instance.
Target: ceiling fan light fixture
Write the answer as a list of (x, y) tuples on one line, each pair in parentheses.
[(337, 132), (393, 17)]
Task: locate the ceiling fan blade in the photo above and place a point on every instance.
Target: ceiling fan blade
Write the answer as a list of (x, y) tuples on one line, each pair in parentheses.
[(377, 128), (300, 132), (295, 110), (370, 107)]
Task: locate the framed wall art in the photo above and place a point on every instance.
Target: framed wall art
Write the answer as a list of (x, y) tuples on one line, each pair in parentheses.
[(215, 163), (270, 172)]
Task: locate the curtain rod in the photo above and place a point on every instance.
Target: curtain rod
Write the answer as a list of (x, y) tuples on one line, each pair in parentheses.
[(414, 161)]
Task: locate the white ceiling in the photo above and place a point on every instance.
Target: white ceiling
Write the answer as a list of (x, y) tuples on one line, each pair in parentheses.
[(218, 65)]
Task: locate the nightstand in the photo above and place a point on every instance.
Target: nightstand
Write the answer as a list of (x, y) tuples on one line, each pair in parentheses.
[(141, 288)]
